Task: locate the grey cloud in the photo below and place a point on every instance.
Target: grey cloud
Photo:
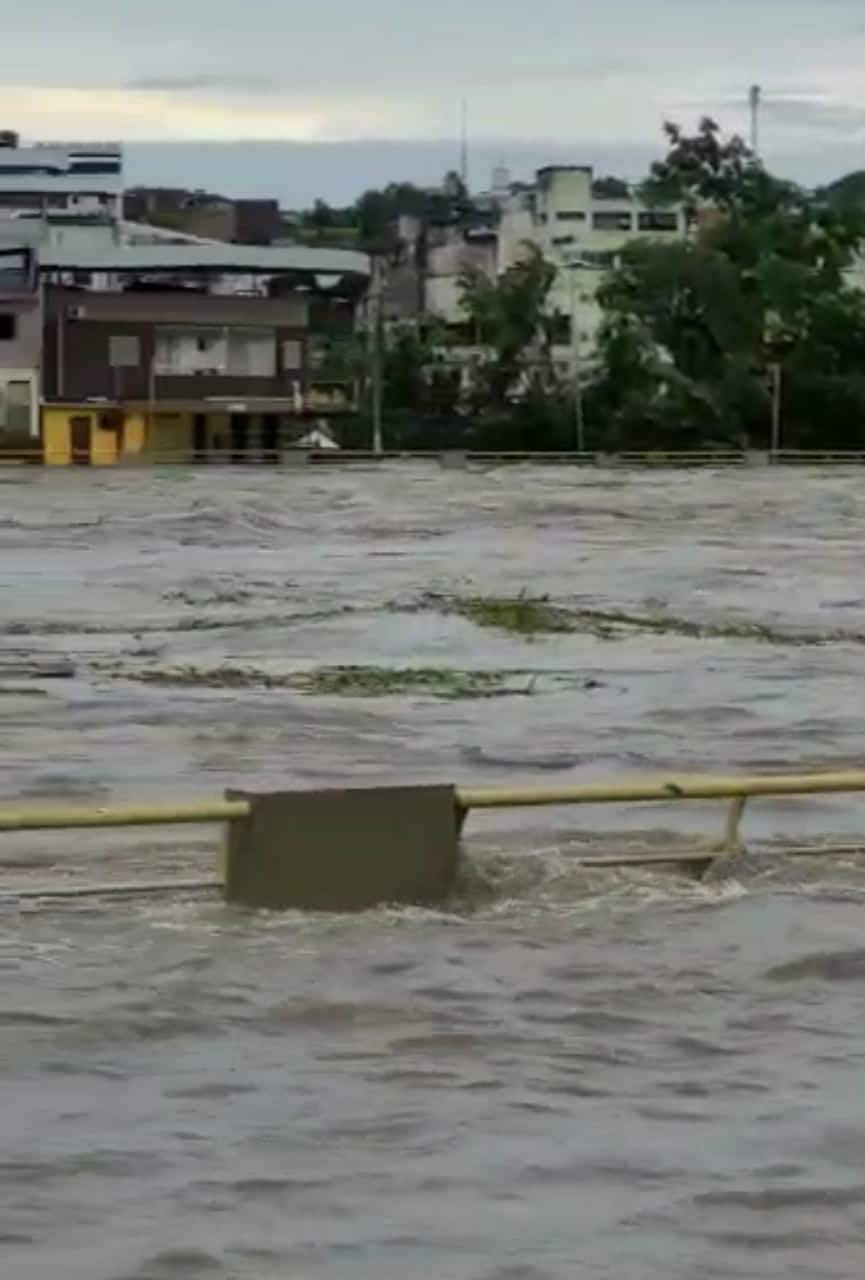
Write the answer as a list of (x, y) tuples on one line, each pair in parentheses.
[(842, 118), (801, 109)]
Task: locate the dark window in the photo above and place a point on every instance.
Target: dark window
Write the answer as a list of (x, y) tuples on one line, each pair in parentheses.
[(8, 327), (571, 215), (20, 170), (560, 240), (94, 166), (610, 220), (659, 220)]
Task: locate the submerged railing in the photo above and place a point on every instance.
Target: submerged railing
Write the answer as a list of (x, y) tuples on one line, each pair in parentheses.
[(263, 455), (352, 849)]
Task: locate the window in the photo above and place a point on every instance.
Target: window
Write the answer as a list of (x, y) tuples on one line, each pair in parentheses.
[(659, 220), (8, 327), (571, 215), (94, 166), (124, 351), (28, 170), (187, 352), (561, 240), (612, 220), (291, 355), (251, 353)]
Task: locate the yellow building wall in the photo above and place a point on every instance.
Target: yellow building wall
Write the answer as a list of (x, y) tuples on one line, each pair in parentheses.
[(158, 436), (169, 436), (134, 433), (103, 445), (56, 437)]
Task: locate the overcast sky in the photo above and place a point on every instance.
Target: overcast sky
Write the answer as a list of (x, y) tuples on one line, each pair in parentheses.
[(575, 72)]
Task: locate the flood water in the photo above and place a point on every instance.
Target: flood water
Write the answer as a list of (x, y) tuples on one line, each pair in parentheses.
[(566, 1073)]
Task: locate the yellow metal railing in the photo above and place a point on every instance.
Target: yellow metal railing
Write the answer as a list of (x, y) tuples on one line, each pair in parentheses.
[(737, 790), (687, 788), (45, 818)]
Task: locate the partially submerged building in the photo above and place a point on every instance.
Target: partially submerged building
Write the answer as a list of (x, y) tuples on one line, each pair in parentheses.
[(121, 340), (194, 350)]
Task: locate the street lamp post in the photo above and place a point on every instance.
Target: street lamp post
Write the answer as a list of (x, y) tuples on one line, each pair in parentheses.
[(776, 409), (579, 416), (375, 337)]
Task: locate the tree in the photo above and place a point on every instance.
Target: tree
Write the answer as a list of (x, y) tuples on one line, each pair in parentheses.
[(610, 189), (761, 281), (509, 316), (321, 215)]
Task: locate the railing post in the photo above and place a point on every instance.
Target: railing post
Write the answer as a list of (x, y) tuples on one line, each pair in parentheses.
[(733, 845)]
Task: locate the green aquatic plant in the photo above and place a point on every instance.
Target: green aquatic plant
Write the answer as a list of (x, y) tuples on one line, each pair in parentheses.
[(521, 615), (350, 681)]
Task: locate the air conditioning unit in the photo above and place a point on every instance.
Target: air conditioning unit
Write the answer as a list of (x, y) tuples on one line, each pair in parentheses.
[(76, 313)]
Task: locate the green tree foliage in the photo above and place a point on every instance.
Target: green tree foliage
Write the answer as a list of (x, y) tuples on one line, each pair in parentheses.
[(692, 329), (508, 315), (378, 211), (610, 188), (848, 191), (416, 378)]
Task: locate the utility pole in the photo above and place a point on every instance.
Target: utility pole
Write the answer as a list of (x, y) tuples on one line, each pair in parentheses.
[(579, 418), (755, 99), (376, 345), (777, 389)]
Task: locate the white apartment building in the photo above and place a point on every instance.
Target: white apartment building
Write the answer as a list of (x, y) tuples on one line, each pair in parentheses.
[(582, 233), (577, 228)]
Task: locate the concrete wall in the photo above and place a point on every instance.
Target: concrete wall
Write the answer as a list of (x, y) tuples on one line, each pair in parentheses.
[(446, 260), (24, 351)]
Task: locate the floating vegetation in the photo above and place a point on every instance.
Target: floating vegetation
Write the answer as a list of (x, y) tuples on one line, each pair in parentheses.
[(536, 616), (204, 677), (618, 622), (521, 615), (349, 681), (435, 682)]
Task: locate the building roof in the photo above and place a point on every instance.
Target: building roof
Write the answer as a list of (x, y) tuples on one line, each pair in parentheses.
[(204, 256)]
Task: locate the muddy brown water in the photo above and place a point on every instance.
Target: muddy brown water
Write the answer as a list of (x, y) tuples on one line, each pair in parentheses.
[(563, 1074)]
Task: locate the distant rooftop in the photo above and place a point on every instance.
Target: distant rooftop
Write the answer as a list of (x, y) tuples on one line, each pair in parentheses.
[(204, 256)]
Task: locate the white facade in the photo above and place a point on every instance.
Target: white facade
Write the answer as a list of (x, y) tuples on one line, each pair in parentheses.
[(182, 350), (580, 232)]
